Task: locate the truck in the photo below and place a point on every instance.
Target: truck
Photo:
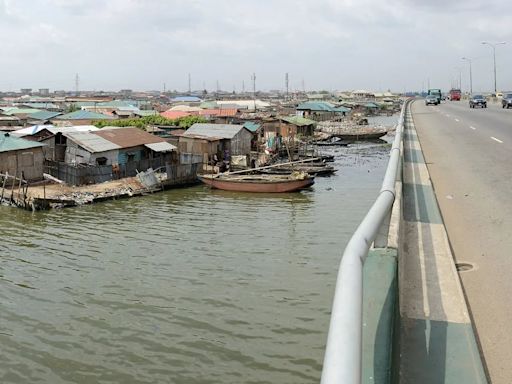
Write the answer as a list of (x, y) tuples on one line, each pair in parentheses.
[(455, 94), (437, 93)]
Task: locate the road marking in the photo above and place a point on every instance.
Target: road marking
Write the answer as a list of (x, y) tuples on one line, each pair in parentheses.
[(495, 139), (472, 127), (447, 115), (457, 120)]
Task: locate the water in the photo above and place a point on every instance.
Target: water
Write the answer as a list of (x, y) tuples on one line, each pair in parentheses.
[(186, 286)]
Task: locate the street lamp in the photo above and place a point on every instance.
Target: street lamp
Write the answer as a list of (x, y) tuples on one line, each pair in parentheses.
[(459, 70), (470, 75), (493, 46)]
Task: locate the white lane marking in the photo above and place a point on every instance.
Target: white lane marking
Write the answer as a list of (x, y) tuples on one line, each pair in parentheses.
[(457, 120), (447, 115), (495, 139), (472, 127)]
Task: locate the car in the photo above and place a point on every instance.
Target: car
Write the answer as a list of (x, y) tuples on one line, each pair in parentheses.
[(506, 101), (477, 101), (431, 99), (454, 94)]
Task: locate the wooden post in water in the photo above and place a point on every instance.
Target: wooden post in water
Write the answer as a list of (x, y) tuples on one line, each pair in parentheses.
[(19, 190), (12, 187), (3, 185)]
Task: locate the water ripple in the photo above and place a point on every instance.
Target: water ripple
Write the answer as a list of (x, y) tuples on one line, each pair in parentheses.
[(188, 286)]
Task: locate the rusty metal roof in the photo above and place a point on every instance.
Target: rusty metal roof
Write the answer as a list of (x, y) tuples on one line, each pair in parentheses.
[(222, 131), (128, 137)]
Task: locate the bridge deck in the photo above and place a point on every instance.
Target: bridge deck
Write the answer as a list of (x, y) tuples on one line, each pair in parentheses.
[(436, 339)]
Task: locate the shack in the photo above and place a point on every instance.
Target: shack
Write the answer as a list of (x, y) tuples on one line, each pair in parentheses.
[(21, 158), (320, 110), (293, 126), (221, 140)]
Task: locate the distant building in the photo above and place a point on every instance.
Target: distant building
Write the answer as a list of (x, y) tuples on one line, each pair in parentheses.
[(26, 91), (44, 91)]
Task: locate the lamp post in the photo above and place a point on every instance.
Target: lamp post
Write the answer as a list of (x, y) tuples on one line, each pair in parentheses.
[(493, 46), (459, 82), (470, 75)]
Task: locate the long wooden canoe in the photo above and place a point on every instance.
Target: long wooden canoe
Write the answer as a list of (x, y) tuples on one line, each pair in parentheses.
[(258, 183)]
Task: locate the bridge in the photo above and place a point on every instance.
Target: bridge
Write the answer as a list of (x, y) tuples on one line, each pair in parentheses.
[(422, 288)]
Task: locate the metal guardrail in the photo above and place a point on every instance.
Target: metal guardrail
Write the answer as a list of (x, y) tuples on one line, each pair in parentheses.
[(343, 354)]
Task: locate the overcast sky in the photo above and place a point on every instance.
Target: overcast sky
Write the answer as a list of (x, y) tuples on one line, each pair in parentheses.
[(328, 44)]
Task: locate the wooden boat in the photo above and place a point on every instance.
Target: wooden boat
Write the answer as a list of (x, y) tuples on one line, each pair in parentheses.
[(259, 183), (310, 168)]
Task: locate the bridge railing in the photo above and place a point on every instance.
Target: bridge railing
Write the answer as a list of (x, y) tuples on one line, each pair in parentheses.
[(343, 354)]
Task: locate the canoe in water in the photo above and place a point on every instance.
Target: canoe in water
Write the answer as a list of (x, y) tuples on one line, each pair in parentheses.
[(259, 183)]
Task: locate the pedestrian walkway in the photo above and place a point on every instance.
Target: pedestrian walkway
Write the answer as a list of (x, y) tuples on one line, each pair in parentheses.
[(436, 339)]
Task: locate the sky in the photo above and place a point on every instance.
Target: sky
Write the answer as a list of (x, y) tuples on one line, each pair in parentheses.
[(323, 44)]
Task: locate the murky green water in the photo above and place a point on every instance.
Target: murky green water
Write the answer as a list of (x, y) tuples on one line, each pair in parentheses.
[(186, 286)]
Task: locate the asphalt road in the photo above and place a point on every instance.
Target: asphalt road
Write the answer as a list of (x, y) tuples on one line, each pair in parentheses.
[(469, 156)]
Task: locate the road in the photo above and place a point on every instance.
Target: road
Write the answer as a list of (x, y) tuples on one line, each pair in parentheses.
[(469, 156)]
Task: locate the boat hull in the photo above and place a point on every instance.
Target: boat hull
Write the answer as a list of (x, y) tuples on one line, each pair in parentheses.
[(258, 186)]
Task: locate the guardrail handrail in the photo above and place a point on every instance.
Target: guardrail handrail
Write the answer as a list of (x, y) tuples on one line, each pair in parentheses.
[(343, 353)]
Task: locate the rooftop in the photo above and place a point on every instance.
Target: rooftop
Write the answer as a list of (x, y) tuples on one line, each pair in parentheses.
[(91, 142), (221, 131), (84, 115), (128, 137), (297, 120), (12, 143)]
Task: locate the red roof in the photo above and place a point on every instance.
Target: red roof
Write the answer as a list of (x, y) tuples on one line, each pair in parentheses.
[(218, 112), (175, 114)]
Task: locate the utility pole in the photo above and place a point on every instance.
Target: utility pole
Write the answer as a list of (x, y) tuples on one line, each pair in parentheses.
[(189, 84), (303, 87), (243, 86), (253, 78), (164, 87), (77, 83), (470, 75), (459, 69), (286, 81)]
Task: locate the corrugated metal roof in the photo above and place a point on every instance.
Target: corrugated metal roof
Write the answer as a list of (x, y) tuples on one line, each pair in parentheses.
[(44, 115), (40, 105), (116, 104), (20, 111), (218, 112), (128, 137), (316, 106), (11, 143), (252, 126), (174, 114), (145, 113), (31, 130), (342, 109), (299, 121), (161, 147), (91, 142), (222, 131), (84, 115), (75, 128), (184, 108), (190, 99)]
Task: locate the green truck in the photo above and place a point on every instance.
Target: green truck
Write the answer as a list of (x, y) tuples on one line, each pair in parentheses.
[(436, 93)]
